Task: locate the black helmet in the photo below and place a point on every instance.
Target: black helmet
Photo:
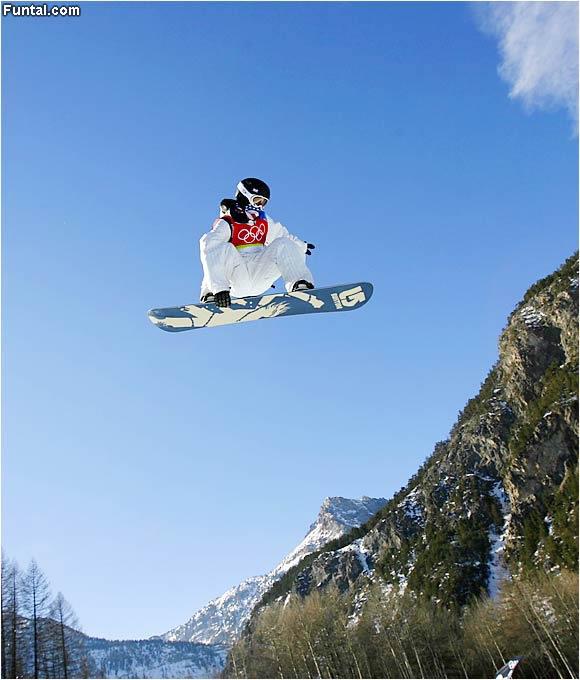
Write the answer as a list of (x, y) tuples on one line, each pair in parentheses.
[(253, 192)]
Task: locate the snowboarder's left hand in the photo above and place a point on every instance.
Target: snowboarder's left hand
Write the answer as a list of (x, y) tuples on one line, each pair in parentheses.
[(309, 248)]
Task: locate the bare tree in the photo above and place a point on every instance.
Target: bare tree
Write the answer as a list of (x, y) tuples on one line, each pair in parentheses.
[(36, 594), (404, 635), (66, 638), (7, 567), (14, 648)]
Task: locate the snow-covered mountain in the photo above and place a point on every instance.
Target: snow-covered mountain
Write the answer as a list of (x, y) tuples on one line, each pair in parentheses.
[(153, 659), (221, 621), (337, 515)]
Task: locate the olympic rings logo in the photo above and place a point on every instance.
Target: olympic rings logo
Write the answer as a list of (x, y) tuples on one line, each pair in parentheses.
[(252, 234)]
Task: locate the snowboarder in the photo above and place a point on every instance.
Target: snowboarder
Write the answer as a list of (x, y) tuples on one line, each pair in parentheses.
[(246, 251)]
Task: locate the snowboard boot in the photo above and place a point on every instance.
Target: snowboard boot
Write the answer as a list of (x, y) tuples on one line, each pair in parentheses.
[(302, 285)]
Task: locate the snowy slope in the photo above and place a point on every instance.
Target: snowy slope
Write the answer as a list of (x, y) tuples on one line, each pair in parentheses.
[(221, 621)]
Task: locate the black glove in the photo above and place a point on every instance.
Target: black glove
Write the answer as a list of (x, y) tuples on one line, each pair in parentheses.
[(309, 248), (229, 206), (222, 299)]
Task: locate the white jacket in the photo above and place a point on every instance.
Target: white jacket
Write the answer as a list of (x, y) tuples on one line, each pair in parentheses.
[(281, 255)]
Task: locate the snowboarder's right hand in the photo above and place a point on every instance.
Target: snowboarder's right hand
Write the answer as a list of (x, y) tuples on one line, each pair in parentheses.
[(229, 206), (222, 299), (309, 248)]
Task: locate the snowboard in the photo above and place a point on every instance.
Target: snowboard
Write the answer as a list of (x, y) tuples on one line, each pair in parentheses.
[(342, 298)]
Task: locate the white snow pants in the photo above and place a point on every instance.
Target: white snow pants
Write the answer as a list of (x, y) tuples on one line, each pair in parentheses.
[(225, 268)]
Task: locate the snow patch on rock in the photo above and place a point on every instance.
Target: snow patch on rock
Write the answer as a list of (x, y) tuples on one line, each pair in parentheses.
[(498, 571)]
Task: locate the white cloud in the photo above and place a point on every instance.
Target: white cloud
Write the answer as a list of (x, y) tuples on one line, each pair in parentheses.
[(538, 44)]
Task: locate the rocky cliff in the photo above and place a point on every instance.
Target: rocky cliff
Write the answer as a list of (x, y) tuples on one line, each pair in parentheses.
[(499, 496)]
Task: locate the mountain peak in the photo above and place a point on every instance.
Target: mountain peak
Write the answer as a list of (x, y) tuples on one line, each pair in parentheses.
[(350, 511), (222, 619)]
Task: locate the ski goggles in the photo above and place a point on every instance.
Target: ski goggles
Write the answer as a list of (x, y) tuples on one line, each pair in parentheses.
[(258, 201), (255, 200)]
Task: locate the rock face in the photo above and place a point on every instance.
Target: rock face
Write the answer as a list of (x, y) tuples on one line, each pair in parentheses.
[(222, 620), (337, 515), (500, 495)]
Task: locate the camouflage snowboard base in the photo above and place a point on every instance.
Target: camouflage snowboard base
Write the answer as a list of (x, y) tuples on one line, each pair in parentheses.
[(319, 300)]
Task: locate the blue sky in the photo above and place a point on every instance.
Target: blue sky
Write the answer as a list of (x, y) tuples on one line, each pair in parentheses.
[(147, 472)]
